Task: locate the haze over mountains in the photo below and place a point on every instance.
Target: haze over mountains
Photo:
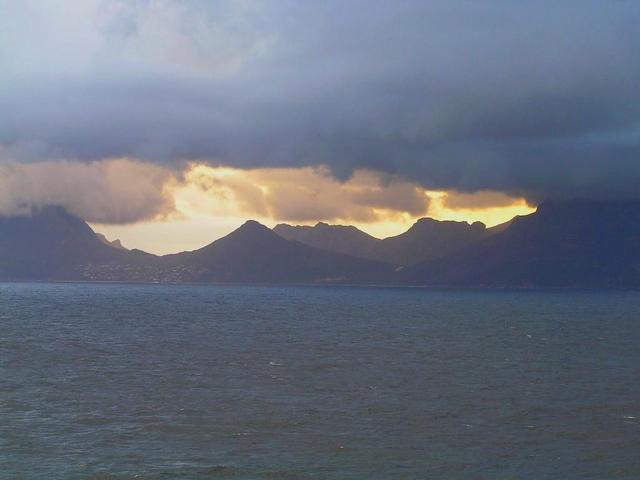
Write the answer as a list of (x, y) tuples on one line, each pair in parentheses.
[(563, 244)]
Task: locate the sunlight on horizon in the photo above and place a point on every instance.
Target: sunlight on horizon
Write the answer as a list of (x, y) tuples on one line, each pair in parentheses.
[(211, 202)]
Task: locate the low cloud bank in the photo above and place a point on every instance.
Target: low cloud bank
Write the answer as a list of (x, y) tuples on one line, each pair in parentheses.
[(114, 191)]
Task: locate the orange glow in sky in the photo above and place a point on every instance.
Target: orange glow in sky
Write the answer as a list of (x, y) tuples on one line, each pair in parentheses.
[(210, 202)]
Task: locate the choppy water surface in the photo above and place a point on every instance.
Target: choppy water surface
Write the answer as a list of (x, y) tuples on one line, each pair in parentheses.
[(199, 382)]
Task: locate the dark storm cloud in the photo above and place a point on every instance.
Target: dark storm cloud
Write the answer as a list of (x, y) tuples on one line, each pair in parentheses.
[(532, 98)]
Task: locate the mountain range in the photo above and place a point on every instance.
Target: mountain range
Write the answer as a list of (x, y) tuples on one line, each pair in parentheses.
[(427, 239), (52, 244), (573, 243), (563, 244)]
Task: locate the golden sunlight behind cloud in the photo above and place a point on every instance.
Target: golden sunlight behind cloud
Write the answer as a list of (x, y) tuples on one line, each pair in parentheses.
[(488, 207), (212, 201), (298, 194)]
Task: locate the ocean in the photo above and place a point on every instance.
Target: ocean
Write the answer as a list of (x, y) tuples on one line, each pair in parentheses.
[(118, 381)]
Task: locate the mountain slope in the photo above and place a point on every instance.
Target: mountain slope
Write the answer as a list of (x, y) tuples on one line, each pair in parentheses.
[(115, 243), (345, 239), (255, 254), (51, 244), (563, 244), (426, 239)]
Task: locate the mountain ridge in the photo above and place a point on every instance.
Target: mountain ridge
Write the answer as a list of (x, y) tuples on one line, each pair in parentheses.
[(427, 238), (254, 253), (52, 244), (574, 243), (571, 244)]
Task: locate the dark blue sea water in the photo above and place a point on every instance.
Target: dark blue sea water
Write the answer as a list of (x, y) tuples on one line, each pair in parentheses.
[(208, 382)]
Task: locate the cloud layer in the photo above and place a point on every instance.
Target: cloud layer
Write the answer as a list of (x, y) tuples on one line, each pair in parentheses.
[(112, 191), (300, 194), (530, 98)]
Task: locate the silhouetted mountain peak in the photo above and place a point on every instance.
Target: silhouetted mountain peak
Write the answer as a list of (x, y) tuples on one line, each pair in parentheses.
[(115, 243), (254, 253), (250, 235), (252, 227), (428, 223), (252, 224), (320, 230), (427, 238), (564, 243), (47, 222), (344, 239), (51, 243), (345, 228)]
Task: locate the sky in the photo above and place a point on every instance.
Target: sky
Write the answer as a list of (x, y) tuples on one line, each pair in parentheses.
[(167, 123)]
